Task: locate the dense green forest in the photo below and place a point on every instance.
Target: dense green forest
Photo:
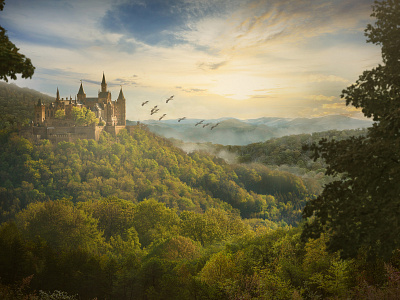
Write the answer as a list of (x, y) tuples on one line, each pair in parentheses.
[(133, 217)]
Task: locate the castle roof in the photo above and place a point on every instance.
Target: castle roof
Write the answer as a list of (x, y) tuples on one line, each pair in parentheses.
[(81, 91), (104, 79), (121, 95)]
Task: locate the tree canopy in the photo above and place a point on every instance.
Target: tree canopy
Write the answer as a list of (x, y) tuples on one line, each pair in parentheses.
[(360, 209), (11, 61)]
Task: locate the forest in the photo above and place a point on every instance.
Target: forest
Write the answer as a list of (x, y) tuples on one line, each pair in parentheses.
[(133, 217)]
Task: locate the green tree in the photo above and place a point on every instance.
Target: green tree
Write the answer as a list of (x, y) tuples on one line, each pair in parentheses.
[(60, 114), (83, 116), (153, 221), (61, 225), (361, 208), (11, 61)]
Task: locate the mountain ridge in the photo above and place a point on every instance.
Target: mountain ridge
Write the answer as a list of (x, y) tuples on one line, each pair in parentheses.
[(233, 131)]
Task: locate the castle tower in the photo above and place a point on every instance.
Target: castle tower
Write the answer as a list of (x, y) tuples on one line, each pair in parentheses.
[(81, 94), (103, 84), (104, 95), (40, 112), (121, 109)]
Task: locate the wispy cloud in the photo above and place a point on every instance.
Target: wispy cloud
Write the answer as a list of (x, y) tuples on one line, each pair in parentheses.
[(325, 78), (212, 66), (191, 90), (126, 81), (322, 98)]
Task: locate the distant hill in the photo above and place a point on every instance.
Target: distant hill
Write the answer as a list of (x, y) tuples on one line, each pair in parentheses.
[(17, 103), (232, 131)]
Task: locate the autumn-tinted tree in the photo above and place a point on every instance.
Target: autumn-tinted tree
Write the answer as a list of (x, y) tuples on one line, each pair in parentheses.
[(11, 61), (361, 208)]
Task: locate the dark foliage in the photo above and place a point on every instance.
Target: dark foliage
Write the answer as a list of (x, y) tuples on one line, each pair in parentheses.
[(11, 61), (361, 209)]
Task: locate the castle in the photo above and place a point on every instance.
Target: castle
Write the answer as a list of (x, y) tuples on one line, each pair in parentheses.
[(55, 121)]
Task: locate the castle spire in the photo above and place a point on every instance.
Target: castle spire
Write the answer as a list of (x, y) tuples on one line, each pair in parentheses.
[(103, 84), (81, 91), (58, 95), (121, 95), (81, 94)]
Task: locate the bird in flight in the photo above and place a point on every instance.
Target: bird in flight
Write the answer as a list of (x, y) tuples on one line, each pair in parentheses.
[(180, 119), (145, 102), (162, 117), (170, 98), (154, 110), (200, 122), (206, 125), (212, 127)]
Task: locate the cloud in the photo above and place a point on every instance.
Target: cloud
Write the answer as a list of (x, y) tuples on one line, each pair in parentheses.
[(60, 24), (191, 90), (260, 22), (322, 98), (126, 81), (95, 82), (155, 22), (212, 66), (326, 78), (127, 45)]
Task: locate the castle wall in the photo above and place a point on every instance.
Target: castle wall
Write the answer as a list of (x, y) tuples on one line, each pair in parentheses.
[(63, 133), (114, 129)]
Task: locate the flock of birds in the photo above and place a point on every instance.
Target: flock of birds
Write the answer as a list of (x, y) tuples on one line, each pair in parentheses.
[(155, 109)]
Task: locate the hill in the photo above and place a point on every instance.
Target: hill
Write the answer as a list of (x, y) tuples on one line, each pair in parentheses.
[(232, 131), (138, 167), (17, 104)]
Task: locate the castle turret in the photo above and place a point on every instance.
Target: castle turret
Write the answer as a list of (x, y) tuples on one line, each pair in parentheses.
[(121, 108), (103, 84), (40, 112), (104, 95), (121, 96), (81, 94), (58, 96)]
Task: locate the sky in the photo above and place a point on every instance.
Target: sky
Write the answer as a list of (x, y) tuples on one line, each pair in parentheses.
[(219, 58)]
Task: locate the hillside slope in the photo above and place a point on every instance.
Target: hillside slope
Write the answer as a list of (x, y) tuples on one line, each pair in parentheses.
[(138, 167), (17, 104)]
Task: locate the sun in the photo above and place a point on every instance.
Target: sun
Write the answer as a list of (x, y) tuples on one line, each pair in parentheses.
[(240, 86)]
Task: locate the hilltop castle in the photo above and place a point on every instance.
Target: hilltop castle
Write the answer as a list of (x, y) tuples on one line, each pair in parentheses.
[(55, 121)]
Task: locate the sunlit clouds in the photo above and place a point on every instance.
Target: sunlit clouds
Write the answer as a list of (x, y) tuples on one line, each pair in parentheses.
[(243, 59)]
